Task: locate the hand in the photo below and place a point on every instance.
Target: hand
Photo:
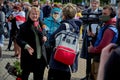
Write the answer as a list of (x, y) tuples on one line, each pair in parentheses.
[(91, 46), (107, 51), (30, 50), (44, 38), (90, 34), (44, 26)]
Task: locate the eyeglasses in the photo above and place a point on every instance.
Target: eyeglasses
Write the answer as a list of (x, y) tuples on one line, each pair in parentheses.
[(56, 13)]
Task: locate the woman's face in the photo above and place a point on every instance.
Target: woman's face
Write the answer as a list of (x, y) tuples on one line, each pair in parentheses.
[(34, 15), (56, 16)]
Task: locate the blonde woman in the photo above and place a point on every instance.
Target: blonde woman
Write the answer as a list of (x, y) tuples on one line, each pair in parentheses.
[(31, 39)]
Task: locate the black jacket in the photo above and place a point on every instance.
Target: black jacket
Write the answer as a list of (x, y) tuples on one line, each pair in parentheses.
[(26, 36)]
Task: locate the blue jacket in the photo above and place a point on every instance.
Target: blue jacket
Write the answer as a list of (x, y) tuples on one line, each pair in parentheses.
[(101, 31), (51, 24)]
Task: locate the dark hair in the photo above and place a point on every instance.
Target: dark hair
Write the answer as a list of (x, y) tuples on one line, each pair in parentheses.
[(112, 9)]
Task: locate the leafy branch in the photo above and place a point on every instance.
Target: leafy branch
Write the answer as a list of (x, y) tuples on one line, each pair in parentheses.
[(18, 68)]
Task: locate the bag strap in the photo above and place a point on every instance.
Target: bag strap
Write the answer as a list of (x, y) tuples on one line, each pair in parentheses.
[(67, 31), (67, 27)]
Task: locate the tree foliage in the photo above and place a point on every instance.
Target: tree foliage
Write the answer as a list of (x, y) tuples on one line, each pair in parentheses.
[(102, 2)]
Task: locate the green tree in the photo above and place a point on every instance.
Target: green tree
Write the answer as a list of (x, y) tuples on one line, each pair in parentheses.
[(30, 1), (25, 0)]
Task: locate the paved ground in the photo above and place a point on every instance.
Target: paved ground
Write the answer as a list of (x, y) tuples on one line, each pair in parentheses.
[(7, 58)]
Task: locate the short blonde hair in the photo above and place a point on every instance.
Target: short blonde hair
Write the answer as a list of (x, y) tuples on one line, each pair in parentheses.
[(35, 9), (69, 11)]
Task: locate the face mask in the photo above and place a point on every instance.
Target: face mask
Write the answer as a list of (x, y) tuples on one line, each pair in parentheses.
[(56, 16), (105, 18)]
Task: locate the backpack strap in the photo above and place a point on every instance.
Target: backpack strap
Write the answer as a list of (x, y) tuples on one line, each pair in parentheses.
[(67, 27)]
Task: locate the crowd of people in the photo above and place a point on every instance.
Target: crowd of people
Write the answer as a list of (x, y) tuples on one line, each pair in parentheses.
[(32, 28)]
